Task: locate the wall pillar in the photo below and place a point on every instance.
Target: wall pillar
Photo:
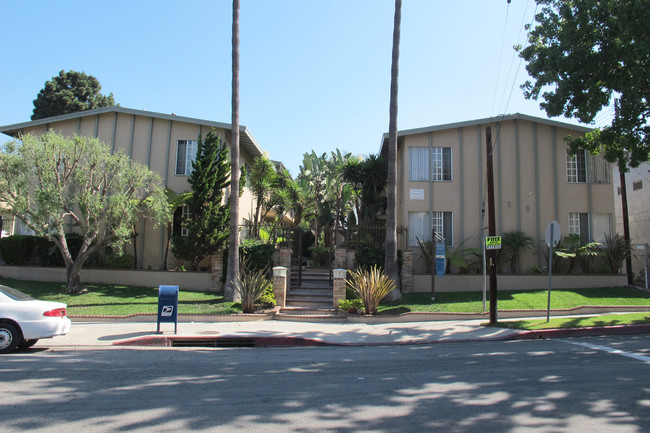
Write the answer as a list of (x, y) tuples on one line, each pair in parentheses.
[(338, 286), (280, 285), (216, 270), (284, 260), (340, 257), (407, 271)]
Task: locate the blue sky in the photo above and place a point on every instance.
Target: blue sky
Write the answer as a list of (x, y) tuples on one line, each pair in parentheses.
[(315, 74)]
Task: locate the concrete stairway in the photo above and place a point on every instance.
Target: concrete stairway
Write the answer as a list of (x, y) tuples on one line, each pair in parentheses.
[(312, 297)]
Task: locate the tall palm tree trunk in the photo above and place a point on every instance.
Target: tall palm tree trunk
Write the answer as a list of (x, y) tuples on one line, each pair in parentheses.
[(391, 211), (230, 293)]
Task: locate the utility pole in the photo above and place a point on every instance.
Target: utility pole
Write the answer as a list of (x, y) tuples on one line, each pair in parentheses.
[(492, 265)]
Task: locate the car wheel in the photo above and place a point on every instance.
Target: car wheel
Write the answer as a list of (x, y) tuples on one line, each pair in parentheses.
[(27, 343), (9, 337)]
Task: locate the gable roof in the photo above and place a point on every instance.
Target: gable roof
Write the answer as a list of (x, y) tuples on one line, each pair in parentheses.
[(246, 139), (485, 121)]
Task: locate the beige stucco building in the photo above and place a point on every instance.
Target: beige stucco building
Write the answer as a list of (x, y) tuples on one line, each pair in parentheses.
[(166, 143), (442, 184)]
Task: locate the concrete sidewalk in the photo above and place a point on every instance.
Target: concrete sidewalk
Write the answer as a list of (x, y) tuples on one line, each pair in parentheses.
[(275, 332)]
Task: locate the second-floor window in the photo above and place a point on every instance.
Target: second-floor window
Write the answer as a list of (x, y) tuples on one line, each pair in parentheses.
[(427, 164), (185, 155), (584, 167)]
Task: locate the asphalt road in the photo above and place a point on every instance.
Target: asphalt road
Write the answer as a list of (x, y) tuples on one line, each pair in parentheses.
[(587, 384)]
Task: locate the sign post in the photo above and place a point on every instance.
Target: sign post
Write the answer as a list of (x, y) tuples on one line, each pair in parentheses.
[(552, 237), (490, 243)]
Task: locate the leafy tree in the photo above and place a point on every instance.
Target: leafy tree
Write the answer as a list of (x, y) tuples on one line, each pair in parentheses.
[(513, 242), (70, 92), (207, 224), (54, 183), (262, 178), (581, 56), (368, 177), (391, 209)]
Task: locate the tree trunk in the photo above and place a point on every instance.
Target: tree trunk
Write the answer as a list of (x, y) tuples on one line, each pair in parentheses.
[(230, 294), (391, 211), (134, 237), (626, 224), (73, 275)]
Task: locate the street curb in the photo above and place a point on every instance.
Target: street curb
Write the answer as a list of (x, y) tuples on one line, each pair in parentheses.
[(579, 332)]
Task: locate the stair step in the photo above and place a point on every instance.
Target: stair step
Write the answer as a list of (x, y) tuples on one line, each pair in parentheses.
[(315, 305), (304, 291)]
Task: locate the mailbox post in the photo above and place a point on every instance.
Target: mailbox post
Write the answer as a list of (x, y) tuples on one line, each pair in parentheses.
[(168, 306)]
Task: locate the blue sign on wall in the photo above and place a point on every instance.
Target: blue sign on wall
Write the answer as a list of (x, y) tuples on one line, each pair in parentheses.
[(440, 259)]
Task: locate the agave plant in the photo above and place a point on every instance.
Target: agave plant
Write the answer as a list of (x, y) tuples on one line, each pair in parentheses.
[(251, 286), (370, 286)]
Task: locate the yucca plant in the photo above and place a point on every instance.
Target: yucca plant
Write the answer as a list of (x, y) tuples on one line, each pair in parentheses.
[(371, 286), (251, 286), (616, 251)]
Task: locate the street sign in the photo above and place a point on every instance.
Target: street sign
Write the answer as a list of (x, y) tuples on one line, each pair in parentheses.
[(440, 259), (553, 234), (493, 243)]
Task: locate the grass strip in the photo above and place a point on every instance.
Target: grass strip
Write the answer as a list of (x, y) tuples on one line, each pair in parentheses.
[(121, 300), (577, 322)]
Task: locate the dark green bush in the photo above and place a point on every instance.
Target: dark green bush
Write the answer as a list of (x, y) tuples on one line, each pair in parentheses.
[(321, 256), (258, 255), (125, 261), (368, 256), (22, 250)]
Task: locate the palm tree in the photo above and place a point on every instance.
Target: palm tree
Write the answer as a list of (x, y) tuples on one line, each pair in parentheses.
[(513, 242), (230, 293), (391, 211)]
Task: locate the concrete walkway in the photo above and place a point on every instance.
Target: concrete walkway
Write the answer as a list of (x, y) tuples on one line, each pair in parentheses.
[(287, 333)]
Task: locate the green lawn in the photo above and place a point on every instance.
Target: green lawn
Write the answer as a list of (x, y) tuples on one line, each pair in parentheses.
[(472, 302), (120, 300), (578, 322)]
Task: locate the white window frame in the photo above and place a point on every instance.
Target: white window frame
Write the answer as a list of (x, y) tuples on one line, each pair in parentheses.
[(441, 158), (188, 156), (185, 214), (418, 228), (573, 173), (438, 222)]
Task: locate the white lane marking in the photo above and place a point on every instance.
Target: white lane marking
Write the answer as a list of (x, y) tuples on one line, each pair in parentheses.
[(636, 356)]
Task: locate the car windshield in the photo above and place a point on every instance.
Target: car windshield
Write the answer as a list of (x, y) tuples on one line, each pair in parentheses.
[(14, 294)]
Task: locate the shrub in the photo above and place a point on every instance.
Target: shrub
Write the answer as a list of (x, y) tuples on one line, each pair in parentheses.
[(251, 286), (321, 256), (258, 255), (370, 286), (616, 251), (124, 261), (267, 300), (368, 256), (352, 306), (536, 270)]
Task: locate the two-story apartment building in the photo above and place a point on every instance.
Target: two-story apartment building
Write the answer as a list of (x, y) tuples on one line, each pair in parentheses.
[(442, 183), (165, 143)]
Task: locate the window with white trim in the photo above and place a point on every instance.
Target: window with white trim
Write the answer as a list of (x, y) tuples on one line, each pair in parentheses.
[(576, 168), (185, 155), (427, 164), (181, 215), (441, 164), (443, 227), (579, 225), (418, 228), (576, 171)]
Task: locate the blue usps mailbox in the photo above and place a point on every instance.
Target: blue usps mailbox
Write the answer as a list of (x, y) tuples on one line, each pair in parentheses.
[(168, 306)]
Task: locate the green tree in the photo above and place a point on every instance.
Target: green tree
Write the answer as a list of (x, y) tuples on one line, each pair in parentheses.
[(513, 243), (55, 184), (581, 56), (262, 178), (207, 224), (391, 208), (368, 177), (70, 92), (232, 268)]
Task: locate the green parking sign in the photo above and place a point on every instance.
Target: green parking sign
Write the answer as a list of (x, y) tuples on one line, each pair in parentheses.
[(493, 243)]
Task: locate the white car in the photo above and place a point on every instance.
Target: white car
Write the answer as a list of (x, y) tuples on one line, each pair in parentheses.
[(24, 320)]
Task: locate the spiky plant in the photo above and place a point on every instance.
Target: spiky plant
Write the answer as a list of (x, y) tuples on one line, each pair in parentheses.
[(616, 251), (370, 286), (251, 286)]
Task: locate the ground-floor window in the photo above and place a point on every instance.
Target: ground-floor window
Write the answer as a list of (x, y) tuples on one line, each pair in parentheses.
[(420, 225)]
